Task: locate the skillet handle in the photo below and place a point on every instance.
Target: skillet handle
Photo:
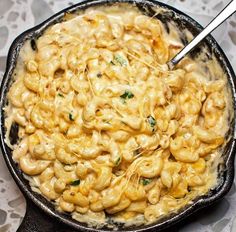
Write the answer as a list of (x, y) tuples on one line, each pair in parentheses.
[(35, 220)]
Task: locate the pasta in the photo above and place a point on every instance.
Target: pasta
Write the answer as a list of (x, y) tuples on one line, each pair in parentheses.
[(105, 127)]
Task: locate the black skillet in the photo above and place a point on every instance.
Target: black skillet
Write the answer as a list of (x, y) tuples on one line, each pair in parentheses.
[(41, 215)]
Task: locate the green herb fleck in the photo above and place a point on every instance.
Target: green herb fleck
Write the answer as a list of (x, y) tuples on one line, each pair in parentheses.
[(71, 117), (145, 181), (127, 95), (99, 75), (118, 161), (75, 182), (60, 95), (151, 121), (119, 59)]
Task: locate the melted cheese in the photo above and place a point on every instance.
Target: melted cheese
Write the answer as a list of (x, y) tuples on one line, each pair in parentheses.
[(106, 124)]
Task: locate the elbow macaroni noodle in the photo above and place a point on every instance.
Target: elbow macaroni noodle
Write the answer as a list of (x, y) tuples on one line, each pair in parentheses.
[(106, 127)]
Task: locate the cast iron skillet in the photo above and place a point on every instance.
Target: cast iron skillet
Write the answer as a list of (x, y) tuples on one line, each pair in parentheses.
[(40, 214)]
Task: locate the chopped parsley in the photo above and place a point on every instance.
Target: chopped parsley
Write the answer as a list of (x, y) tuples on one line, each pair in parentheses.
[(118, 161), (145, 181), (120, 60), (99, 75), (151, 121), (71, 117), (75, 182), (60, 95), (127, 95)]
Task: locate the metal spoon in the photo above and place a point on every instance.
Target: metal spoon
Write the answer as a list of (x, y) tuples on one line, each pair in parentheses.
[(220, 18)]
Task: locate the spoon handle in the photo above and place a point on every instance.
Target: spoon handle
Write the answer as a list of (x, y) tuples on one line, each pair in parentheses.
[(220, 18)]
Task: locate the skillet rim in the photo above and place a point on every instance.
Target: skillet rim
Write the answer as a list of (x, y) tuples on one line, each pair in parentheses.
[(202, 202)]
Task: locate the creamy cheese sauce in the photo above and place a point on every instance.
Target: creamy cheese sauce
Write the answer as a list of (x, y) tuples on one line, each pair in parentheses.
[(106, 129)]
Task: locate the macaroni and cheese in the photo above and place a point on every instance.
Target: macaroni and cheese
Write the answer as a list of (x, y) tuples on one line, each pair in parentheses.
[(105, 128)]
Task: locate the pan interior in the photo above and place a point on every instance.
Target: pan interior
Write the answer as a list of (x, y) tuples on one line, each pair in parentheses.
[(209, 47)]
